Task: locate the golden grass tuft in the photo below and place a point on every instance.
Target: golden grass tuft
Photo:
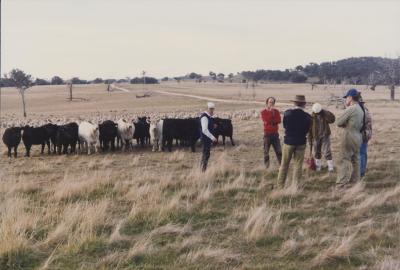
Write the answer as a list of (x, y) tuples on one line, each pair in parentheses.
[(79, 222), (339, 248), (261, 221), (80, 186), (354, 193), (374, 201), (16, 224), (142, 246), (388, 263), (177, 156), (288, 191), (290, 246)]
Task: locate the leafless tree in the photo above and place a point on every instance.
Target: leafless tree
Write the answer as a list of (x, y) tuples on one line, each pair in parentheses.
[(390, 76), (393, 76), (69, 87)]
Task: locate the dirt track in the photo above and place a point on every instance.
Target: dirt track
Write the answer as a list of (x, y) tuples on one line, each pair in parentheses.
[(234, 101)]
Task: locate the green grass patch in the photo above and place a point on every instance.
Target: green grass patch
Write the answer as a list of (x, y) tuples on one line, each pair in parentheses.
[(82, 256), (138, 224), (160, 259), (21, 259)]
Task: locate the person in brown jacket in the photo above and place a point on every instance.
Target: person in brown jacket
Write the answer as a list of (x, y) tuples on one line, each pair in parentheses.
[(319, 135)]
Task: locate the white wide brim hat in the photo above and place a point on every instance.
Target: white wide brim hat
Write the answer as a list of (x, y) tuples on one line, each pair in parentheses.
[(317, 108), (210, 105)]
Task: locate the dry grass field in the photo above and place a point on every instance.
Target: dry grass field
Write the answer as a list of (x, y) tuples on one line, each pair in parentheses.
[(151, 210)]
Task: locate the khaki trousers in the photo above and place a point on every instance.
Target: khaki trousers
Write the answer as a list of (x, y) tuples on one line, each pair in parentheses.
[(297, 153), (349, 159)]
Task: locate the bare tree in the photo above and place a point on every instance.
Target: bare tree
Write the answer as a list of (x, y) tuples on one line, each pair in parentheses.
[(390, 76), (393, 76), (69, 86), (22, 82), (373, 80)]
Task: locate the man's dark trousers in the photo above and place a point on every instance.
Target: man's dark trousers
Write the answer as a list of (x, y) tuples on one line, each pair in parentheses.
[(272, 139), (206, 153)]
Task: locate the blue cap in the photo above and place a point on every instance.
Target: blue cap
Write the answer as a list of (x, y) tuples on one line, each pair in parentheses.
[(351, 93)]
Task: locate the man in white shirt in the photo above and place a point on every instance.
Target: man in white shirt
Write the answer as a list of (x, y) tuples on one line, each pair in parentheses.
[(207, 138)]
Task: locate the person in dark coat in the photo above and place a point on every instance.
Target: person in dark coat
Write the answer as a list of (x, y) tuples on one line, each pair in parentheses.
[(297, 124)]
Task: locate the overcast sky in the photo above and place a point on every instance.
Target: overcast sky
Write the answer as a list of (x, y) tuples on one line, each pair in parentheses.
[(119, 38)]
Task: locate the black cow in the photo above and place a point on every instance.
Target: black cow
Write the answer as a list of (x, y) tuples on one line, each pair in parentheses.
[(185, 130), (108, 132), (35, 136), (67, 135), (224, 128), (12, 138), (142, 131), (51, 130)]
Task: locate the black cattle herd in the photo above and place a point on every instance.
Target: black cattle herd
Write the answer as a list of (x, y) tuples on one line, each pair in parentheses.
[(64, 139)]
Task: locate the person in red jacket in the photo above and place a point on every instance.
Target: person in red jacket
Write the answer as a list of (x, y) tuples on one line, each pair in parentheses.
[(271, 119)]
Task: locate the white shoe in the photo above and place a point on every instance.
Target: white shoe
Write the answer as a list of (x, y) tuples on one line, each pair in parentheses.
[(330, 165), (318, 164)]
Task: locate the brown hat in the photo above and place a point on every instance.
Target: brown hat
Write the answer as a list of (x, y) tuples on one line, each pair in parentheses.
[(300, 99)]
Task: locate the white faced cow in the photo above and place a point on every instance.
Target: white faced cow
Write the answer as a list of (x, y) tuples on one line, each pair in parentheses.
[(156, 129), (126, 131), (89, 136)]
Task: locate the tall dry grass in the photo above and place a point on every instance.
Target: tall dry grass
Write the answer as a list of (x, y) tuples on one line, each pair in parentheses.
[(339, 248), (80, 222), (81, 185), (261, 222), (17, 225)]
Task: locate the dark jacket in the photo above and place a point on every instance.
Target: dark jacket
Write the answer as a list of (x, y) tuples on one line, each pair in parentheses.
[(367, 131), (204, 137), (320, 124), (297, 124)]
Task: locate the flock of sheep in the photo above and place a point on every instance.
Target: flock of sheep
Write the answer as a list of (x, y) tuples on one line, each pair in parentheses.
[(12, 120)]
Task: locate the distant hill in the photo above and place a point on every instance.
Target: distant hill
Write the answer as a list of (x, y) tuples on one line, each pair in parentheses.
[(355, 70)]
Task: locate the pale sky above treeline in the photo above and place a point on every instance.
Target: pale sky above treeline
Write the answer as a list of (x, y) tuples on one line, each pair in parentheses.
[(119, 38)]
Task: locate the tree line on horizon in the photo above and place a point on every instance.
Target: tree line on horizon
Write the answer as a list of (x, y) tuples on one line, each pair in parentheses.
[(356, 70), (7, 80)]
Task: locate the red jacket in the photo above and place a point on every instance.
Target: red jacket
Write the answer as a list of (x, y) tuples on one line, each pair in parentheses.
[(271, 120)]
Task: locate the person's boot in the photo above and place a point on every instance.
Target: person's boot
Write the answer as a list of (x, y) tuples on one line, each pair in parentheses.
[(318, 165), (266, 163), (330, 165)]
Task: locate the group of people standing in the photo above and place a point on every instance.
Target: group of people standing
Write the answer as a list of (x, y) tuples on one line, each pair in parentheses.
[(301, 127)]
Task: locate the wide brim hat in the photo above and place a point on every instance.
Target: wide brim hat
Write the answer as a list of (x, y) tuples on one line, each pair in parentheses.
[(300, 99), (210, 105)]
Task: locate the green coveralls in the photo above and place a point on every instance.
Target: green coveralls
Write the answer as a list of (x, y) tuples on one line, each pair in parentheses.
[(349, 153)]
